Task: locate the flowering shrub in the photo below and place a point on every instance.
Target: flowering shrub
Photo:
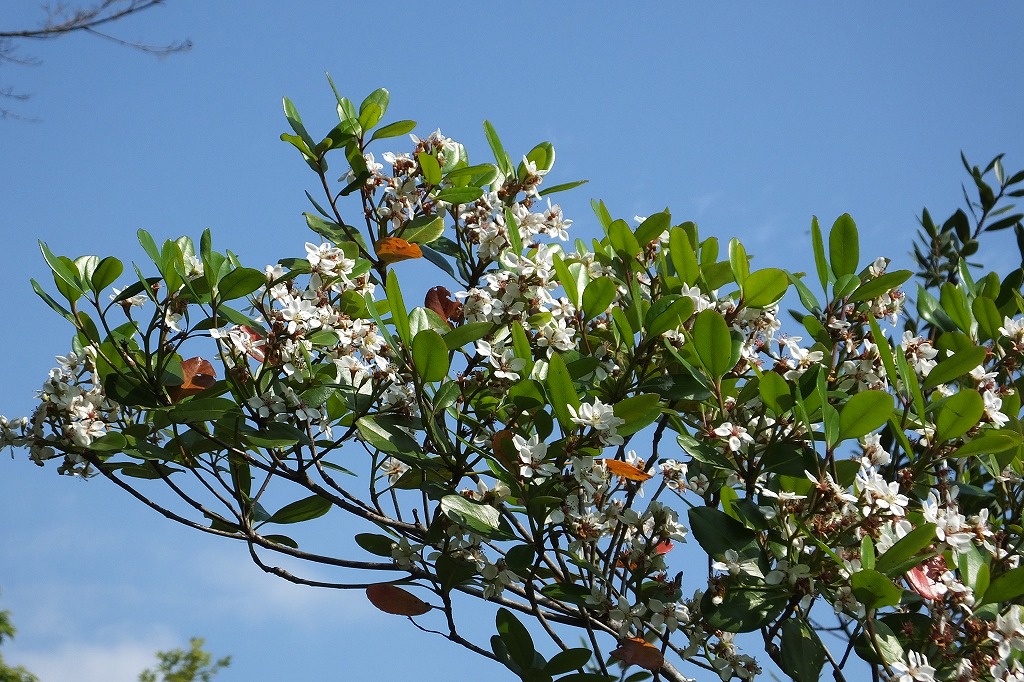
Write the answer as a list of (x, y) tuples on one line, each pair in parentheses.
[(548, 431)]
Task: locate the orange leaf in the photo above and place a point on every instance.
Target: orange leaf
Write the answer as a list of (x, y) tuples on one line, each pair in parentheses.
[(395, 600), (394, 249), (199, 375), (626, 470), (636, 651), (440, 301), (664, 547)]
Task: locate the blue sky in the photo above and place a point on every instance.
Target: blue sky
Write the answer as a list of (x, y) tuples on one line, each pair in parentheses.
[(748, 118)]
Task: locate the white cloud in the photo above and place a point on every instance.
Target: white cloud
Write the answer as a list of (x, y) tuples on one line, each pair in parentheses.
[(119, 661)]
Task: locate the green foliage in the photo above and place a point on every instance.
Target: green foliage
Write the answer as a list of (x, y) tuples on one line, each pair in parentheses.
[(194, 664), (840, 462)]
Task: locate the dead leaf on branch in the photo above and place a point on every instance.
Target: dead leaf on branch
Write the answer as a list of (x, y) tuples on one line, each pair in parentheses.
[(395, 600)]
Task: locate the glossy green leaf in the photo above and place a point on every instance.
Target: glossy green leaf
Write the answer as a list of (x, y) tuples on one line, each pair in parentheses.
[(880, 285), (467, 333), (379, 545), (716, 532), (874, 590), (743, 609), (399, 313), (802, 653), (295, 121), (683, 257), (765, 287), (240, 282), (863, 413), (907, 552), (825, 275), (713, 343), (306, 509), (431, 168), (479, 518), (562, 187), (989, 442), (638, 412), (516, 638), (106, 273), (987, 316), (958, 414), (1003, 588), (738, 261), (393, 130), (567, 661), (623, 240), (373, 108), (430, 355), (598, 295), (501, 157), (653, 227), (562, 391), (775, 393), (387, 436), (459, 195), (672, 317), (844, 246), (955, 366)]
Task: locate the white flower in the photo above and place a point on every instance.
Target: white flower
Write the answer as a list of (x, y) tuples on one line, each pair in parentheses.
[(737, 435), (916, 669)]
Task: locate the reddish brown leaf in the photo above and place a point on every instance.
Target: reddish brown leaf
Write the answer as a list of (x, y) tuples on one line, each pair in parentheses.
[(199, 375), (664, 547), (626, 470), (395, 600), (636, 651), (394, 249), (505, 450), (440, 300)]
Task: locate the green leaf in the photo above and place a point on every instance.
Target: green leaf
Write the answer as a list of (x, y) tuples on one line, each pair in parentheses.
[(958, 414), (387, 436), (989, 442), (275, 435), (808, 299), (466, 333), (201, 410), (738, 261), (638, 411), (563, 393), (716, 532), (501, 157), (955, 366), (623, 240), (566, 279), (985, 312), (844, 246), (64, 271), (803, 654), (372, 110), (240, 282), (713, 343), (305, 509), (906, 553), (1005, 587), (763, 288), (880, 285), (516, 638), (399, 314), (825, 275), (567, 661), (459, 195), (424, 233), (479, 518), (874, 590), (562, 187), (653, 227), (295, 121), (379, 545), (430, 355), (431, 168), (109, 442), (393, 130), (863, 413), (106, 273), (743, 609), (672, 317), (888, 644), (682, 255), (775, 393), (598, 295), (56, 307)]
